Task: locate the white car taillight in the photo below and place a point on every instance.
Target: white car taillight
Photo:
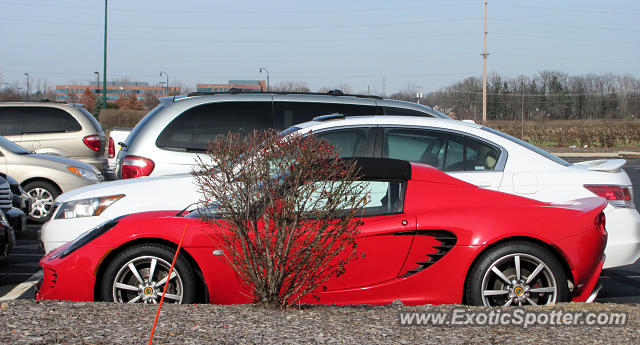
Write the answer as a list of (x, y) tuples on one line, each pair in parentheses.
[(616, 195), (135, 166)]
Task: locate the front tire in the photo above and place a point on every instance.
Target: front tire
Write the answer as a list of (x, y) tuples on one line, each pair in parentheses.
[(42, 195), (139, 273), (517, 273)]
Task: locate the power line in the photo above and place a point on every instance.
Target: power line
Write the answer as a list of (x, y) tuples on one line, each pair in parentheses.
[(566, 25), (223, 11), (568, 58), (635, 91), (255, 41), (572, 10), (262, 27), (564, 39)]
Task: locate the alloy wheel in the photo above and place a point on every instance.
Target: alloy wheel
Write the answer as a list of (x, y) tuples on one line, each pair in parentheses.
[(142, 280), (519, 279), (41, 202)]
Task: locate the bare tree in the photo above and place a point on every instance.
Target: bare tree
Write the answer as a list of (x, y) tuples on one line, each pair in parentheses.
[(290, 86), (88, 99), (285, 212), (149, 100)]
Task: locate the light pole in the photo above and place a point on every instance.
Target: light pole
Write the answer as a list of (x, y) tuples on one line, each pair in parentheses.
[(162, 86), (167, 86), (97, 91), (27, 75), (104, 71), (266, 71)]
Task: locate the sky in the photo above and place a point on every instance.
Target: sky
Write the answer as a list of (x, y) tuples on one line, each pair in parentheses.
[(372, 46)]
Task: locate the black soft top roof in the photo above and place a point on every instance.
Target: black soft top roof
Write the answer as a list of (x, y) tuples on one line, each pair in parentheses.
[(383, 168)]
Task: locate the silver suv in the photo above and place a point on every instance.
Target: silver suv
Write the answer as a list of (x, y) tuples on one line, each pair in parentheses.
[(167, 140), (66, 130)]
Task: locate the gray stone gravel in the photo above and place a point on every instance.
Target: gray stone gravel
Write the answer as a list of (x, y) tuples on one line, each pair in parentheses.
[(52, 322)]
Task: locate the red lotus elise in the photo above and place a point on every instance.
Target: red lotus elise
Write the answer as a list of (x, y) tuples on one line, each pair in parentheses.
[(426, 238)]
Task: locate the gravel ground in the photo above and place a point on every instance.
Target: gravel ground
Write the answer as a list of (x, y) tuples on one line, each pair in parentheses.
[(51, 322)]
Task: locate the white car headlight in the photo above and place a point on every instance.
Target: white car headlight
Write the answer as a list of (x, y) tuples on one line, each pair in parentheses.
[(89, 207), (84, 173)]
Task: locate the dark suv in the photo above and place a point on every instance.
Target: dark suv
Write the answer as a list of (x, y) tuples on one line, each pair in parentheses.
[(167, 139)]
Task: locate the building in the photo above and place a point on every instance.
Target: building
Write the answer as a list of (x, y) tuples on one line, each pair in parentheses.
[(246, 85), (72, 93)]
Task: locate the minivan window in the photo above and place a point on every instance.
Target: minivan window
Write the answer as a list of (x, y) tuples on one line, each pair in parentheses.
[(287, 114), (194, 128), (48, 120), (10, 121)]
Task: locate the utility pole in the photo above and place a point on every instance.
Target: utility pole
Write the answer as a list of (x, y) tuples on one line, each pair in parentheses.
[(522, 115), (267, 72), (484, 67), (27, 75)]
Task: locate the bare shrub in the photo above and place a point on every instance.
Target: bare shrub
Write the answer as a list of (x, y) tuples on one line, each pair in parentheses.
[(285, 211), (110, 118)]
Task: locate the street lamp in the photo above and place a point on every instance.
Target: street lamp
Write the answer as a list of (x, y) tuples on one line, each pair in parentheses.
[(104, 71), (167, 75), (27, 75), (267, 71)]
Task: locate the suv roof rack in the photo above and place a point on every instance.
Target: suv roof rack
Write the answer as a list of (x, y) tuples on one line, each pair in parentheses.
[(328, 117), (234, 91)]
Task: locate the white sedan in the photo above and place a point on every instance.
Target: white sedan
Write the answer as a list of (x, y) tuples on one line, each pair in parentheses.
[(468, 151)]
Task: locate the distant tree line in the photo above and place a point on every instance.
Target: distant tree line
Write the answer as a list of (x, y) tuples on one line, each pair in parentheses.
[(547, 95)]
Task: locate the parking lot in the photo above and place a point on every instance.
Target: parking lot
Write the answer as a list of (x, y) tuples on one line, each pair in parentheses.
[(20, 271)]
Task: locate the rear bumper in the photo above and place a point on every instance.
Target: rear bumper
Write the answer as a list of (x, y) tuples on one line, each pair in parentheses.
[(623, 247), (99, 162)]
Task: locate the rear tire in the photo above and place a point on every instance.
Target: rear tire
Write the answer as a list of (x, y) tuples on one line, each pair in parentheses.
[(517, 273), (42, 195), (136, 276)]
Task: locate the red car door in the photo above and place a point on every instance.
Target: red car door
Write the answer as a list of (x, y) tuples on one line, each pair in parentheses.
[(383, 244)]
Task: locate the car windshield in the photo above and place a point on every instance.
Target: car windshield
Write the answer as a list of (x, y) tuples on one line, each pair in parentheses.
[(12, 147), (383, 197), (529, 146)]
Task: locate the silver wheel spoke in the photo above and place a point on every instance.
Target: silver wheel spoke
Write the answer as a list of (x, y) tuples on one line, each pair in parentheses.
[(152, 269), (495, 292), (164, 280), (135, 273), (517, 261), (531, 302), (126, 287), (495, 270), (544, 289), (508, 302), (134, 300), (535, 272), (172, 296)]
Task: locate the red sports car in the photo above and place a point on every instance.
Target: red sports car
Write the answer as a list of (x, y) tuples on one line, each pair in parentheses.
[(426, 238)]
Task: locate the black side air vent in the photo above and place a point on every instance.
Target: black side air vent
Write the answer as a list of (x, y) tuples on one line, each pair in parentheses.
[(447, 241)]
